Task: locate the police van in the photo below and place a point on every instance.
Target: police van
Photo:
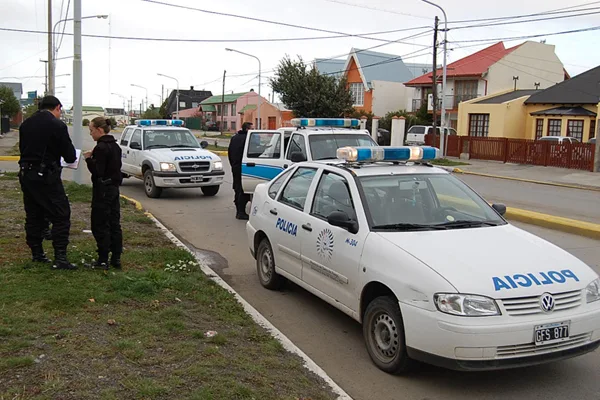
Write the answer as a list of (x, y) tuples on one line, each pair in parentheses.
[(430, 269), (268, 152), (165, 154)]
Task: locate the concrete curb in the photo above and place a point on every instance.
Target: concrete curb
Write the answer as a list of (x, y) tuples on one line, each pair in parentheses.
[(287, 344), (9, 158), (568, 225), (219, 152), (510, 178)]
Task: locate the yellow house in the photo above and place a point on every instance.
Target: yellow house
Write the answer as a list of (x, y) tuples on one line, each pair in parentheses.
[(569, 108)]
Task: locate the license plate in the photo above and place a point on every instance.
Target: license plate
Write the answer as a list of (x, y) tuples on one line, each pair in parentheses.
[(551, 333), (198, 178)]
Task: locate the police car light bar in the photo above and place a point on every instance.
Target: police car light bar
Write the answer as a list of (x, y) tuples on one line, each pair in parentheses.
[(323, 122), (372, 154), (163, 122)]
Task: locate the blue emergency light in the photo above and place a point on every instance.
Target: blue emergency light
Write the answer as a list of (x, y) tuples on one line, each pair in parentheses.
[(159, 122), (392, 154), (326, 122)]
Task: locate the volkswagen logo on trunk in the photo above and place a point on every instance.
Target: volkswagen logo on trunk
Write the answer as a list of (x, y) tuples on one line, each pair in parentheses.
[(547, 303)]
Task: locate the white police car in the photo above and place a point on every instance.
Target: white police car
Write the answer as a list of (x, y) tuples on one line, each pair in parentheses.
[(267, 153), (164, 154), (431, 270)]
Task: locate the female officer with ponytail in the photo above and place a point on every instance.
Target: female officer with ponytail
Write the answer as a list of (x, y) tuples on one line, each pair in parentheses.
[(104, 162)]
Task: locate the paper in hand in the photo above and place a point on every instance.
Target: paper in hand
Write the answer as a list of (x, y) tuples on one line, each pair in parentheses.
[(74, 165)]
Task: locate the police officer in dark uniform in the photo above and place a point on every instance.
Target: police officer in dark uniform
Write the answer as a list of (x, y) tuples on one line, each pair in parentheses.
[(43, 140), (104, 162), (235, 155)]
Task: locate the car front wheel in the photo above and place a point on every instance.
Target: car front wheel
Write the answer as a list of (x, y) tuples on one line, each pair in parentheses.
[(150, 187), (210, 190), (265, 266), (383, 331)]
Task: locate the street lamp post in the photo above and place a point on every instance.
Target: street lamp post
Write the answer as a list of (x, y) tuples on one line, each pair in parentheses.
[(124, 100), (52, 58), (443, 114), (141, 87), (259, 70), (177, 96)]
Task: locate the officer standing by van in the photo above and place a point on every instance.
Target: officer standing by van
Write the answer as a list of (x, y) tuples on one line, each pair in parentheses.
[(43, 140), (235, 155), (104, 162)]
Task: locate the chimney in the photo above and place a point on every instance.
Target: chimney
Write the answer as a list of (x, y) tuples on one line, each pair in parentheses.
[(192, 88)]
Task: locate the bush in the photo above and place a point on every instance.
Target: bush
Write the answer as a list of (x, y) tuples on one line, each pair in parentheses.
[(86, 122), (113, 122)]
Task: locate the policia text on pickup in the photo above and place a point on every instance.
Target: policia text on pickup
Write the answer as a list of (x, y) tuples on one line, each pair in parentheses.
[(43, 140)]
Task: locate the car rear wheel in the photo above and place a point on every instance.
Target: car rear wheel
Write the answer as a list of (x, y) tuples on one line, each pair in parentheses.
[(265, 266), (210, 190), (150, 187), (383, 331)]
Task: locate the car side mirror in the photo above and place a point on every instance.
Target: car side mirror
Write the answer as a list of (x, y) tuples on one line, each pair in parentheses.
[(298, 157), (341, 219), (500, 208), (135, 146), (204, 144)]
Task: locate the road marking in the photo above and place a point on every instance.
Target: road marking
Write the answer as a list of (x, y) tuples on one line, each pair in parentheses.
[(287, 344)]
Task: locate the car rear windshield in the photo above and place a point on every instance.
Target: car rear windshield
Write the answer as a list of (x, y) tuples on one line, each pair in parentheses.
[(323, 147), (417, 129)]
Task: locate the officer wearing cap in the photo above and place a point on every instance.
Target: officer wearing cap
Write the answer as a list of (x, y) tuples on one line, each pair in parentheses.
[(43, 140)]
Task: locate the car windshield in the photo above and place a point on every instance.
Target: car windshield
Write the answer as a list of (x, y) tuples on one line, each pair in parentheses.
[(424, 202), (323, 147), (169, 138)]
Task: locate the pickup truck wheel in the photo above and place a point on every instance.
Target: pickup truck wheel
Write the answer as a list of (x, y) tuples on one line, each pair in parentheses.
[(210, 190), (124, 176), (265, 266), (152, 190), (383, 331)]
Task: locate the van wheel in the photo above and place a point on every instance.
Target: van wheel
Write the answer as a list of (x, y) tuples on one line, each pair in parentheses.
[(152, 190), (265, 266), (383, 331), (210, 190)]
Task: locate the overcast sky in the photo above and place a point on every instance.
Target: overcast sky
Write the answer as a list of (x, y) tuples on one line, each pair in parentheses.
[(113, 65)]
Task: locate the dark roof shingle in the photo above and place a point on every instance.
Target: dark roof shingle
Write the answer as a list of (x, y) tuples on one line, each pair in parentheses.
[(581, 89), (515, 94)]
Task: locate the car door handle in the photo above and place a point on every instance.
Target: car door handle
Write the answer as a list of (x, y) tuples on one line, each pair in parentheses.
[(273, 211), (250, 164), (307, 227)]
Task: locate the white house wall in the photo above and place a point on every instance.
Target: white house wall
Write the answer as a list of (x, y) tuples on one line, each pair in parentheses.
[(390, 96), (532, 62)]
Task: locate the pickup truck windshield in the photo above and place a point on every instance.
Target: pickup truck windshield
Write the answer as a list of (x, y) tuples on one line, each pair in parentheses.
[(323, 147), (181, 138), (424, 202)]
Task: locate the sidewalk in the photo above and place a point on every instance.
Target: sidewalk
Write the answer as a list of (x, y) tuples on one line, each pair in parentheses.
[(539, 174), (7, 142)]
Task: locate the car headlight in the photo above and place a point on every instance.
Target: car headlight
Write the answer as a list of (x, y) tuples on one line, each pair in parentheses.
[(218, 165), (592, 292), (466, 305), (167, 166)]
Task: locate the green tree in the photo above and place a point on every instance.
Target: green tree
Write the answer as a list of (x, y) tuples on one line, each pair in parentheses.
[(310, 94), (113, 122), (10, 104), (86, 122), (163, 109), (152, 113)]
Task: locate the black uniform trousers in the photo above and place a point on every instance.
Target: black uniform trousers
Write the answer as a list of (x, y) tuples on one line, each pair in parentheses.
[(240, 198), (106, 220), (45, 199)]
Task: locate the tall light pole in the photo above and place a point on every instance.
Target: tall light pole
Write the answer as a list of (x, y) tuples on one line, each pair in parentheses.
[(142, 87), (259, 70), (124, 100), (77, 86), (177, 96), (52, 53), (443, 114)]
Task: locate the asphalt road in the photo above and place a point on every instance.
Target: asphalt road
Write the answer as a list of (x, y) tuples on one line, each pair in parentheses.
[(334, 340)]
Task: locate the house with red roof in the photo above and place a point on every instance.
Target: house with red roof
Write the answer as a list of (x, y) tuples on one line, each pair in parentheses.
[(529, 65)]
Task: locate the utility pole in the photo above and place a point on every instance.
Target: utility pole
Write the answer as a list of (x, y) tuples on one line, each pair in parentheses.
[(434, 78), (77, 85), (46, 81), (223, 101), (50, 88), (162, 94)]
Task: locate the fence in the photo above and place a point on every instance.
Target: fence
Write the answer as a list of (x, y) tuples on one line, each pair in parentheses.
[(521, 151)]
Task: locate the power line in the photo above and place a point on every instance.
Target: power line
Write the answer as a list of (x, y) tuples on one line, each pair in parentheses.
[(62, 35), (378, 9), (265, 21), (527, 20), (593, 28), (198, 40)]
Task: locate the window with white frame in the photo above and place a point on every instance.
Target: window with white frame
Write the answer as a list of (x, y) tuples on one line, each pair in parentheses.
[(182, 104), (357, 90)]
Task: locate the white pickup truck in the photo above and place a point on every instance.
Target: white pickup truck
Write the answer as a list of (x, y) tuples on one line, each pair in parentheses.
[(416, 134), (268, 152)]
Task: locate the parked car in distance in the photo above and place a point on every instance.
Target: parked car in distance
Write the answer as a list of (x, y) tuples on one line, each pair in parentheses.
[(592, 141), (559, 139), (416, 134)]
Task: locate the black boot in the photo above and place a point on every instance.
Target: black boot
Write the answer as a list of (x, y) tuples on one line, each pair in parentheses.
[(61, 261), (100, 263), (115, 261), (38, 255)]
